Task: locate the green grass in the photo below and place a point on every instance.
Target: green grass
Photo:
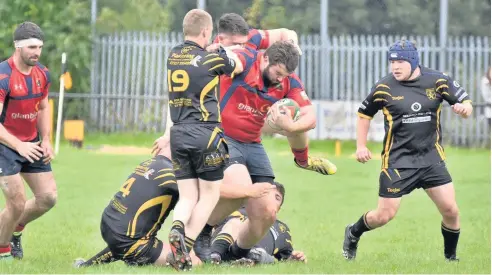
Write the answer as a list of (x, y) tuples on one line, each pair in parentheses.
[(317, 209)]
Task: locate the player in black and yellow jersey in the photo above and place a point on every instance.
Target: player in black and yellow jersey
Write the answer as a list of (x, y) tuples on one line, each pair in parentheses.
[(130, 222), (411, 98), (135, 214), (275, 245), (198, 146)]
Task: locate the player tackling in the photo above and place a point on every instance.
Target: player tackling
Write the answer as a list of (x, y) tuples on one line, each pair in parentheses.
[(198, 147)]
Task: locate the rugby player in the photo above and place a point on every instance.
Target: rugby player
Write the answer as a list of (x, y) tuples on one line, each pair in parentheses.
[(233, 30), (275, 246), (411, 98), (199, 150), (25, 147), (130, 222)]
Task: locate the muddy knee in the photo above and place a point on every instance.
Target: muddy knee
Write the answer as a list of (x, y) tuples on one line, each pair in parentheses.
[(47, 200)]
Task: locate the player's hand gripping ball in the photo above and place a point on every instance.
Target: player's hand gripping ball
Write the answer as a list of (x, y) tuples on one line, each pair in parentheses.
[(286, 103)]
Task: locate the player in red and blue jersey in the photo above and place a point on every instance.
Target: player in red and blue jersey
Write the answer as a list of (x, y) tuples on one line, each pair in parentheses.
[(25, 148), (245, 100), (234, 31)]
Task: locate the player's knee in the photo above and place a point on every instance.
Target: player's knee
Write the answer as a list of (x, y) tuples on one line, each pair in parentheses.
[(451, 211), (47, 200), (267, 214), (386, 215)]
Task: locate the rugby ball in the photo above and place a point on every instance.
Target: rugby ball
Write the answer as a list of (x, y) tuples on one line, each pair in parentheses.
[(288, 103)]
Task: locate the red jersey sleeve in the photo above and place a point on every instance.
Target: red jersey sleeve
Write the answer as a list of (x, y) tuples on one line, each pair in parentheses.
[(247, 58), (296, 91), (4, 87), (256, 41), (241, 56), (48, 82)]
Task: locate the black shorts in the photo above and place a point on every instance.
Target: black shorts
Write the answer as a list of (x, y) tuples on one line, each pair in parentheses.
[(11, 163), (394, 183), (254, 157), (131, 251), (198, 151)]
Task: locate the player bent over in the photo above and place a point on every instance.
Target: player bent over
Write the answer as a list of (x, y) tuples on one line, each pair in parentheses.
[(276, 245), (130, 222), (413, 157), (199, 150), (25, 149)]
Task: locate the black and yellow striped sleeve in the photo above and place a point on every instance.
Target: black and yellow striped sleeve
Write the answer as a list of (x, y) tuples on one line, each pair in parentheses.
[(375, 101), (164, 177), (219, 63), (451, 90)]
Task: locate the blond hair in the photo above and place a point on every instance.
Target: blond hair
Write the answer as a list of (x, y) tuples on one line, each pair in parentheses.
[(195, 21)]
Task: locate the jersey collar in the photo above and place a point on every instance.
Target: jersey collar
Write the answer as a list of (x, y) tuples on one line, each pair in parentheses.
[(14, 68), (188, 42)]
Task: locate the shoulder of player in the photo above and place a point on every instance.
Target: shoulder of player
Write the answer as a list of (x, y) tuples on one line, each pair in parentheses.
[(281, 226), (434, 75), (385, 84), (386, 80), (252, 32), (5, 73), (5, 69), (44, 70), (163, 174), (293, 80), (162, 166), (41, 66), (246, 51), (248, 56)]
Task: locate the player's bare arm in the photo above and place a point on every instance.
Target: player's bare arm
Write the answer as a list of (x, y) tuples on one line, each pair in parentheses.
[(44, 129), (31, 151), (162, 144), (362, 154), (7, 138), (238, 191), (281, 34), (282, 117)]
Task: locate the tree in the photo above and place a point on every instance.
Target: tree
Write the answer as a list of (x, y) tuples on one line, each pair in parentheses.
[(66, 29), (134, 15), (412, 17)]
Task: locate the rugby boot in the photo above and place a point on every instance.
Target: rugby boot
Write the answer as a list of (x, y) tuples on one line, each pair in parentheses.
[(320, 165), (350, 244), (16, 246), (181, 260)]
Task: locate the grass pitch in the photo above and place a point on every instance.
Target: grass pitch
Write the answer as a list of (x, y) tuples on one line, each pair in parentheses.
[(317, 209)]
